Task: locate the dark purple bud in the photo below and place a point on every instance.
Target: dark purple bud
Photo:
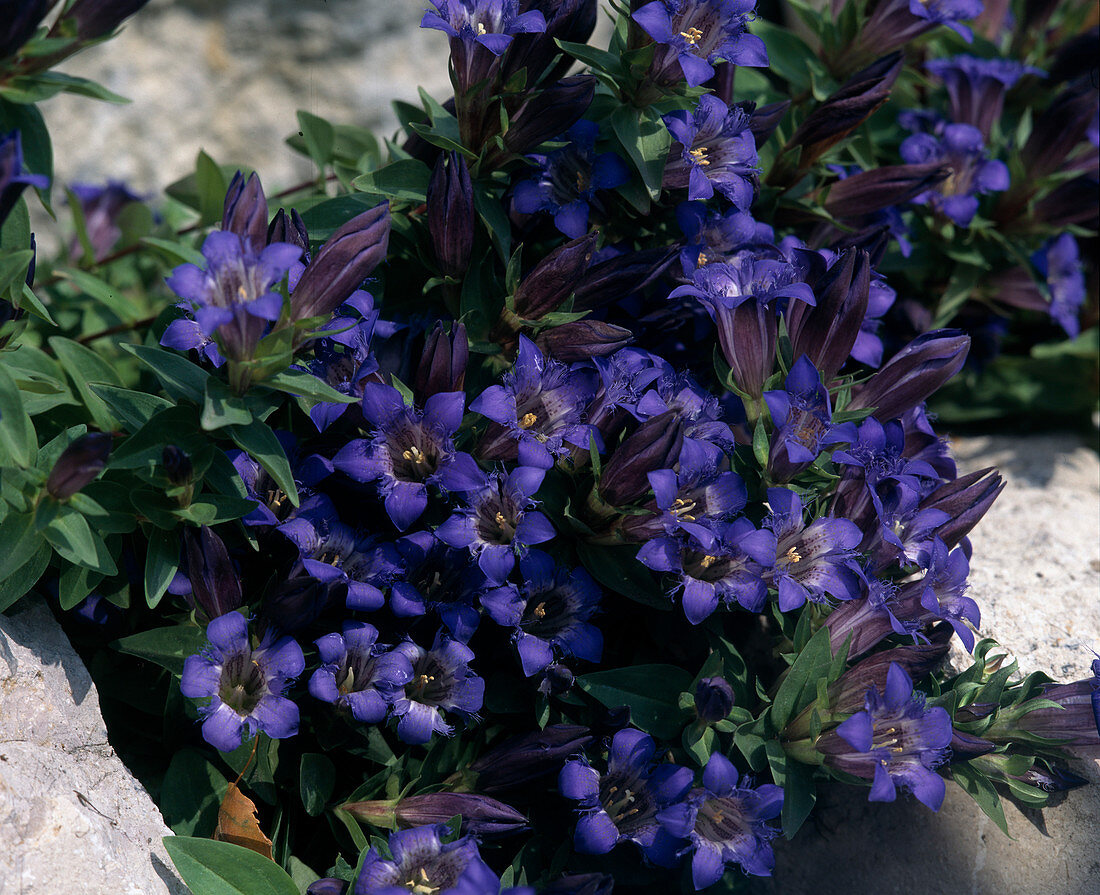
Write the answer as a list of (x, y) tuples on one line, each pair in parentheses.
[(554, 278), (582, 339), (875, 190), (620, 276), (1074, 720), (480, 814), (177, 465), (215, 587), (1076, 57), (528, 757), (245, 210), (451, 216), (95, 18), (20, 19), (1059, 130), (844, 111), (965, 500), (556, 679), (713, 699), (568, 20), (826, 332), (442, 366), (964, 746), (330, 885), (1053, 779), (654, 445), (766, 119), (13, 179), (78, 465), (1073, 202), (914, 373), (289, 228), (341, 265), (581, 884), (747, 337), (549, 113), (847, 693)]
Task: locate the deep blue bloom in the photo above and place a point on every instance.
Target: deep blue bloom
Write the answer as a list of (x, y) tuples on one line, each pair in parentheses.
[(100, 206), (234, 298), (623, 803), (896, 741), (812, 562), (868, 346), (713, 150), (730, 568), (973, 174), (568, 179), (700, 411), (410, 450), (894, 23), (712, 235), (742, 276), (540, 406), (727, 822), (344, 359), (423, 863), (13, 179), (624, 378), (905, 528), (245, 685), (272, 505), (943, 591), (437, 577), (694, 35), (358, 673), (1060, 264), (490, 23), (549, 612), (441, 682), (977, 87), (499, 521)]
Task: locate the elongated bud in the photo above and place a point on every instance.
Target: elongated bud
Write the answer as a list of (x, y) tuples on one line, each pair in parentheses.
[(451, 214), (747, 336), (341, 265), (713, 699), (914, 373), (1053, 779), (846, 694), (528, 757), (582, 339), (177, 465), (330, 885), (96, 18), (966, 500), (245, 210), (826, 332), (964, 746), (442, 366), (480, 814), (875, 190), (844, 111), (654, 445), (289, 228), (215, 587), (1059, 130), (78, 465), (554, 278), (618, 277), (765, 120), (568, 20), (549, 113), (22, 20)]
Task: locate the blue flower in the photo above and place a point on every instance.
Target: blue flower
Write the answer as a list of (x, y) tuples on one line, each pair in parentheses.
[(490, 23), (358, 673), (977, 87), (1059, 262), (713, 150), (421, 862), (442, 681), (13, 180), (435, 576)]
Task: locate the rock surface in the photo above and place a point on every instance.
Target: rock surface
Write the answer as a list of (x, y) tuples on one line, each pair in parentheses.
[(72, 818)]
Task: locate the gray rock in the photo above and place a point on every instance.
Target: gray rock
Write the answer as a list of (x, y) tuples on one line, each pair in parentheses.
[(72, 818)]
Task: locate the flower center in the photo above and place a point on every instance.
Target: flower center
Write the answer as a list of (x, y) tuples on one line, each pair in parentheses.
[(720, 820), (793, 556), (700, 156), (682, 508), (707, 561), (692, 35), (422, 886), (243, 683), (528, 420)]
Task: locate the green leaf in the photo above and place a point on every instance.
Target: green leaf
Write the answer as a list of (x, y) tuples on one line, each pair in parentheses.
[(405, 180), (191, 794), (180, 377), (325, 217), (18, 444), (982, 791), (84, 366), (646, 140), (799, 789), (134, 409), (167, 647), (799, 687), (37, 87), (222, 408), (788, 55), (210, 867), (103, 292), (317, 782), (25, 577), (74, 584), (19, 540), (259, 442), (13, 268), (211, 185), (618, 568), (74, 540), (161, 562), (592, 57), (175, 252), (299, 382), (319, 137), (651, 691)]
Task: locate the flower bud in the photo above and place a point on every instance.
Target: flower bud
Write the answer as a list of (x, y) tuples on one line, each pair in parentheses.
[(78, 465), (655, 444), (96, 18), (582, 339), (549, 113), (343, 262), (215, 588), (451, 216), (617, 277), (1054, 779), (480, 814), (527, 757), (880, 188), (290, 229), (964, 746), (330, 885), (846, 694), (567, 20), (713, 699), (177, 465), (1059, 130), (20, 27), (765, 120), (245, 210), (442, 366), (747, 336), (554, 278), (914, 373), (966, 500)]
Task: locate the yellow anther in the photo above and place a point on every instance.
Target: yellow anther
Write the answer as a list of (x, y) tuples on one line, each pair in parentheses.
[(528, 420), (480, 29), (414, 455), (500, 520), (707, 561), (692, 35), (700, 156), (701, 260), (793, 555), (540, 611)]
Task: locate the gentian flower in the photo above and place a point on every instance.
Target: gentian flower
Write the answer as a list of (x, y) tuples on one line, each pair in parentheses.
[(490, 23), (498, 521), (894, 23), (712, 235), (441, 682), (977, 87), (100, 206), (868, 347), (1060, 264), (234, 297), (624, 377), (694, 35), (423, 863), (943, 591), (13, 180), (713, 150), (895, 741), (730, 568), (568, 179), (344, 359), (245, 685), (961, 146), (811, 561), (358, 673), (714, 699), (743, 276), (410, 450), (438, 577), (540, 406), (700, 411), (727, 822), (549, 612), (625, 802), (272, 506)]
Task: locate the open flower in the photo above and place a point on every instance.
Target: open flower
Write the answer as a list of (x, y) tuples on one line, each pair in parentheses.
[(441, 682), (358, 673), (714, 150), (422, 863)]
